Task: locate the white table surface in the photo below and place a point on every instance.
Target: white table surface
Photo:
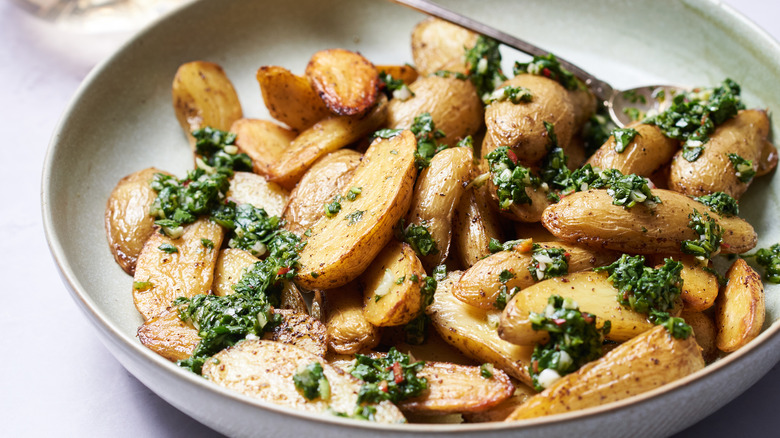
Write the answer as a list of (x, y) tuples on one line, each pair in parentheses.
[(56, 378)]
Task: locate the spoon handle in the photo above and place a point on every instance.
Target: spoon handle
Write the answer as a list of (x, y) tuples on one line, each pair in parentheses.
[(601, 89)]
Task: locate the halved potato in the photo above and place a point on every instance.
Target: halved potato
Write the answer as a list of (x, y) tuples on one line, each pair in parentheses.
[(300, 330), (700, 283), (348, 330), (127, 219), (204, 96), (161, 277), (290, 98), (341, 247), (167, 335), (473, 332), (645, 362), (741, 310), (265, 370), (250, 188), (263, 141), (645, 154), (347, 82), (473, 225), (705, 331), (392, 286), (438, 44), (231, 264)]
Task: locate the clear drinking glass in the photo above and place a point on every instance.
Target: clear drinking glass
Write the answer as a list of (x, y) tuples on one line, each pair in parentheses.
[(99, 16)]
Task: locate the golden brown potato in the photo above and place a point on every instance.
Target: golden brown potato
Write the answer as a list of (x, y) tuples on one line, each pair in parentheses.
[(230, 267), (584, 103), (454, 105), (589, 218), (250, 188), (473, 332), (326, 178), (391, 294), (263, 141), (265, 370), (745, 135), (437, 191), (473, 225), (161, 277), (592, 291), (127, 219), (646, 362), (521, 126), (647, 153), (480, 285), (405, 72), (324, 137), (347, 82), (289, 98), (740, 307), (167, 335), (705, 331), (700, 285), (348, 330), (204, 96), (341, 247), (458, 388), (439, 45), (300, 330)]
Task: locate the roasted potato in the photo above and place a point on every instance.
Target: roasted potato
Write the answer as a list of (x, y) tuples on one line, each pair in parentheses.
[(645, 362), (348, 330), (473, 225), (744, 135), (391, 294), (437, 192), (440, 45), (229, 269), (204, 96), (160, 276), (326, 178), (648, 152), (167, 335), (700, 283), (127, 219), (347, 82), (300, 330), (589, 218), (341, 247), (705, 331), (265, 370), (263, 141), (250, 188), (290, 99), (740, 309)]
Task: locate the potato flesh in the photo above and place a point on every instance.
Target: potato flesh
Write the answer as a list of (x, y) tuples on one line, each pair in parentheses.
[(263, 141), (397, 301), (592, 291), (290, 98), (230, 267), (645, 154), (741, 309), (589, 218), (265, 370), (250, 188), (341, 247), (127, 220), (346, 81), (437, 44), (437, 192), (167, 335), (160, 277), (641, 364)]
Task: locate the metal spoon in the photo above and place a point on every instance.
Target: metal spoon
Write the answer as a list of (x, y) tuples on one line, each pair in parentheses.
[(646, 99)]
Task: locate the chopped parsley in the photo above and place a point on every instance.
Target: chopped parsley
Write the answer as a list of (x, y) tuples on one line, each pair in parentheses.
[(548, 262), (362, 412), (710, 235), (721, 203), (506, 275), (420, 239), (769, 259), (743, 167), (623, 137), (467, 142), (643, 288), (574, 341), (504, 296), (676, 326), (389, 377), (207, 243), (217, 152), (142, 285), (311, 382), (168, 248), (387, 134), (625, 190), (251, 227), (333, 207), (596, 131), (353, 193), (424, 130), (484, 64), (394, 87), (354, 217), (450, 74), (510, 178), (496, 246), (549, 67), (486, 370), (415, 330), (633, 114), (554, 171), (513, 94), (182, 201)]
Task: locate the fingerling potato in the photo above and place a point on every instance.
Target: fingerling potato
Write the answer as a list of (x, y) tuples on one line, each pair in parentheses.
[(167, 335), (263, 141), (438, 44), (391, 294), (740, 310), (348, 329), (346, 82), (473, 225), (649, 150), (250, 188), (290, 98)]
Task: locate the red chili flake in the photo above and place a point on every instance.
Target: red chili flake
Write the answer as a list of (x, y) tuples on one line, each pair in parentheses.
[(559, 321), (383, 386), (186, 183), (283, 271), (587, 317), (546, 72), (567, 255), (725, 245), (398, 372), (511, 156)]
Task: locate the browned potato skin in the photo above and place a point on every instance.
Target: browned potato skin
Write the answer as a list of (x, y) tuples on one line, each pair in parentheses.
[(705, 331), (263, 141), (469, 329), (479, 286), (185, 273), (740, 310), (250, 188), (204, 96), (167, 335), (592, 291), (458, 388), (325, 179), (437, 192), (300, 330), (347, 82), (437, 44), (520, 126), (127, 219), (264, 369), (402, 302), (454, 105), (745, 135), (326, 136), (348, 330), (338, 250), (589, 218), (229, 269), (289, 98), (647, 153), (645, 362), (473, 225)]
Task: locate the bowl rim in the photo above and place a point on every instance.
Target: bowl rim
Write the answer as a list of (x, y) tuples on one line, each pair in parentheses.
[(103, 322)]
